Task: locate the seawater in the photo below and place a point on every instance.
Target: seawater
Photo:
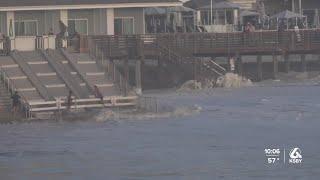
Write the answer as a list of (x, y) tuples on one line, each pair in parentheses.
[(225, 139)]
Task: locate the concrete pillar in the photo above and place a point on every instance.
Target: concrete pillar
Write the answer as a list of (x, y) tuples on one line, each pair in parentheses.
[(10, 24), (198, 17), (235, 16), (300, 7), (259, 68), (138, 77), (303, 63), (110, 21), (293, 6), (11, 29), (64, 19), (126, 75), (275, 66), (64, 16), (286, 63), (239, 65)]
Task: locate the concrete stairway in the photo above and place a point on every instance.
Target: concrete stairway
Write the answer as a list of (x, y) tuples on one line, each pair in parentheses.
[(5, 98), (89, 71), (19, 79), (61, 59), (65, 74), (44, 79), (45, 74)]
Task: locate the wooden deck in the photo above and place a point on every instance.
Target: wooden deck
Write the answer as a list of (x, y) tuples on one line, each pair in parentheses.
[(208, 44)]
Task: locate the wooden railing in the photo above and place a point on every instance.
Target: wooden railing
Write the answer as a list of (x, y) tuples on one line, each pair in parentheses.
[(209, 43), (11, 87), (105, 51)]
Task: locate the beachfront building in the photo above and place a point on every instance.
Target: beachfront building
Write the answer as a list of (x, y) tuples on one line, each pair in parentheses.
[(308, 8), (23, 21), (216, 16), (170, 19)]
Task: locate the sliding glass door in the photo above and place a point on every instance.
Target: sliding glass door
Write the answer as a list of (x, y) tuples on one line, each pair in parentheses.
[(124, 26)]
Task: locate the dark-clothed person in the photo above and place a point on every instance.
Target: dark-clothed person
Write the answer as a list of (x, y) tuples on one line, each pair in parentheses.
[(15, 101)]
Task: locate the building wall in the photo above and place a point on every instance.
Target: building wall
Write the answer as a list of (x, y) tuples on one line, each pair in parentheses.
[(33, 15), (97, 19), (46, 19), (137, 13), (276, 6), (245, 4), (100, 21), (310, 4), (52, 21), (3, 22), (83, 14)]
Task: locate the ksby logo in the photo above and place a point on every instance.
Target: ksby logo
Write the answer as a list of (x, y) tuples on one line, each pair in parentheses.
[(295, 156)]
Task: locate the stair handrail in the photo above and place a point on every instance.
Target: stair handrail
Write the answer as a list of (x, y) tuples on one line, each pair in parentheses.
[(116, 74), (217, 65), (11, 87)]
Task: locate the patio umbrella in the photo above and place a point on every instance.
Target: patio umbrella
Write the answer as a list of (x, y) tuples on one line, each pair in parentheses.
[(287, 15)]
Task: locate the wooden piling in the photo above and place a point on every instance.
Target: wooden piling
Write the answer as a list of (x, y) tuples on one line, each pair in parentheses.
[(303, 63), (275, 66), (138, 77), (126, 75), (259, 67), (239, 65), (286, 63)]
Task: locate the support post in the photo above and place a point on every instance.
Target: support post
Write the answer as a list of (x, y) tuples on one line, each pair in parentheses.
[(259, 68), (138, 77), (110, 21), (126, 75), (303, 63), (275, 66), (286, 63), (239, 64), (11, 29)]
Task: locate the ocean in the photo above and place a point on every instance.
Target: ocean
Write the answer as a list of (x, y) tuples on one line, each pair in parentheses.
[(217, 134)]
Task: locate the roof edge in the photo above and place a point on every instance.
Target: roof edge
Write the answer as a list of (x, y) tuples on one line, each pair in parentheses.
[(90, 6)]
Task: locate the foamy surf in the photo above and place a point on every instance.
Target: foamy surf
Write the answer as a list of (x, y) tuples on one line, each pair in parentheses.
[(143, 115)]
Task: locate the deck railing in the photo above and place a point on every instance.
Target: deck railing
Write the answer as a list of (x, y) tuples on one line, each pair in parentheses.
[(11, 87), (211, 43), (100, 49)]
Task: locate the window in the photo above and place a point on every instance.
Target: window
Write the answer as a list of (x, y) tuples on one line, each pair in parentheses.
[(26, 28), (124, 26), (78, 25)]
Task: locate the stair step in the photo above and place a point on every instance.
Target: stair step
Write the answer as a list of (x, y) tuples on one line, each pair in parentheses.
[(55, 86), (46, 74), (104, 85), (37, 62), (86, 62), (18, 77), (95, 74), (10, 66), (26, 89)]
